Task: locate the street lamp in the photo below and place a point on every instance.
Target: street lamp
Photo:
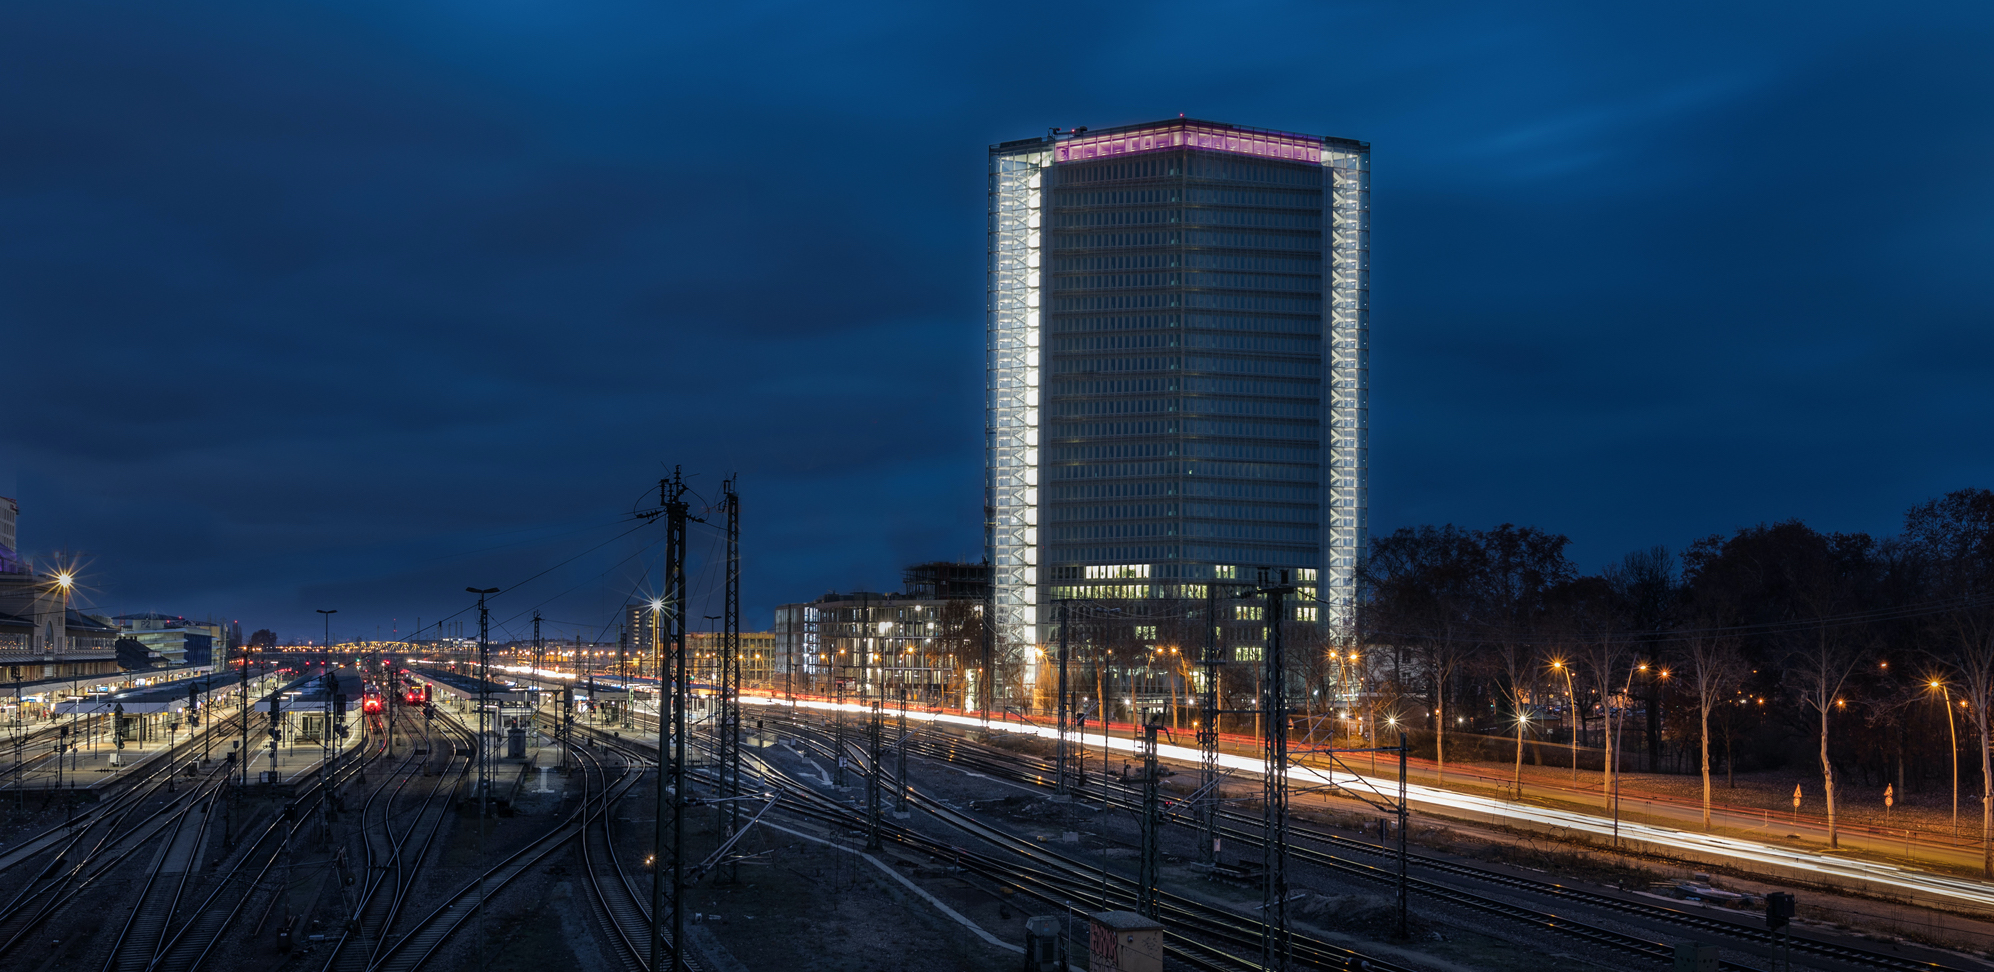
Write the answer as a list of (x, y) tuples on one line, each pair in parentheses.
[(64, 582), (1572, 698), (328, 627), (1522, 722), (1946, 693), (1626, 692)]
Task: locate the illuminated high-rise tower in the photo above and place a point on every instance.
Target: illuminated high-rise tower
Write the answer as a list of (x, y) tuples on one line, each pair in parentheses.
[(1177, 375)]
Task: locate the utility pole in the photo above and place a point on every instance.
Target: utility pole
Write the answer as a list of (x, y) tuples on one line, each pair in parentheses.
[(671, 796), (1059, 759), (872, 781), (730, 676), (20, 743), (483, 747), (329, 683), (1152, 820), (627, 659), (900, 774), (1404, 809), (484, 701), (1208, 734), (193, 710), (838, 733), (567, 727), (276, 728), (1276, 941), (325, 734), (789, 657), (245, 720)]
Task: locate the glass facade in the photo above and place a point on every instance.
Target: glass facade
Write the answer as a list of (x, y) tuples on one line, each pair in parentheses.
[(1177, 373), (1018, 175)]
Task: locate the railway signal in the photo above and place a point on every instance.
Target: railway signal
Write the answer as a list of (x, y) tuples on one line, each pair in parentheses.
[(1779, 911)]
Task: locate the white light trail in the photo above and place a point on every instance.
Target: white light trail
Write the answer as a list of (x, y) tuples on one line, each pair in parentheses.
[(1744, 851)]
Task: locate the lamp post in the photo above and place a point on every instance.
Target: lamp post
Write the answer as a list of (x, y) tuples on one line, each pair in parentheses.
[(21, 741), (1522, 722), (1572, 700), (1951, 730), (325, 734), (64, 582), (657, 652), (1626, 692), (328, 629)]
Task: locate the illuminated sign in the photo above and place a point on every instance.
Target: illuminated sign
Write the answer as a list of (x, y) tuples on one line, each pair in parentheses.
[(1271, 145)]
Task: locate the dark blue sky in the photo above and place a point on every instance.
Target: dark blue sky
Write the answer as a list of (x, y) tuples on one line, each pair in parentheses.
[(354, 305)]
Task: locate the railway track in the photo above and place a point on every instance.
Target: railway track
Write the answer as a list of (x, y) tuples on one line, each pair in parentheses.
[(1032, 771), (165, 887), (100, 844), (426, 937), (1066, 886), (1196, 934), (1335, 852), (248, 872), (163, 928), (136, 788), (622, 906), (392, 857)]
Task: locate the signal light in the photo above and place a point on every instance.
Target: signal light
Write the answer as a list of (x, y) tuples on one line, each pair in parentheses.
[(1779, 908)]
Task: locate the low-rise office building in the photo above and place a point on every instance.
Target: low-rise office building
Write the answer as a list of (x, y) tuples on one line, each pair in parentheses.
[(172, 640), (865, 644), (758, 656)]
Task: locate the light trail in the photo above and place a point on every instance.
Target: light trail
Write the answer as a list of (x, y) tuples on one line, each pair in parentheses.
[(1959, 889)]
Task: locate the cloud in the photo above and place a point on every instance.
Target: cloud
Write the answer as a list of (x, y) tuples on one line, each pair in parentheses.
[(364, 304)]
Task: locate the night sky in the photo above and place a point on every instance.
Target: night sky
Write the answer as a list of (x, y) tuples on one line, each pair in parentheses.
[(355, 305)]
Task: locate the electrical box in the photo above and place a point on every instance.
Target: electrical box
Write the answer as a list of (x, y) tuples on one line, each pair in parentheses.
[(1042, 944), (1691, 957), (1123, 941)]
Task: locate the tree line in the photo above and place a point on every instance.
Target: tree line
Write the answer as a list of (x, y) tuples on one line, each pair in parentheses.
[(1866, 648)]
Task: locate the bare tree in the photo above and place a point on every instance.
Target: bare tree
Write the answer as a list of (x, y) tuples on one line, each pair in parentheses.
[(1607, 659), (1953, 538), (1585, 611), (1422, 585), (1713, 656), (1715, 666), (1445, 652), (958, 639), (1522, 565), (1821, 664), (1825, 579)]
